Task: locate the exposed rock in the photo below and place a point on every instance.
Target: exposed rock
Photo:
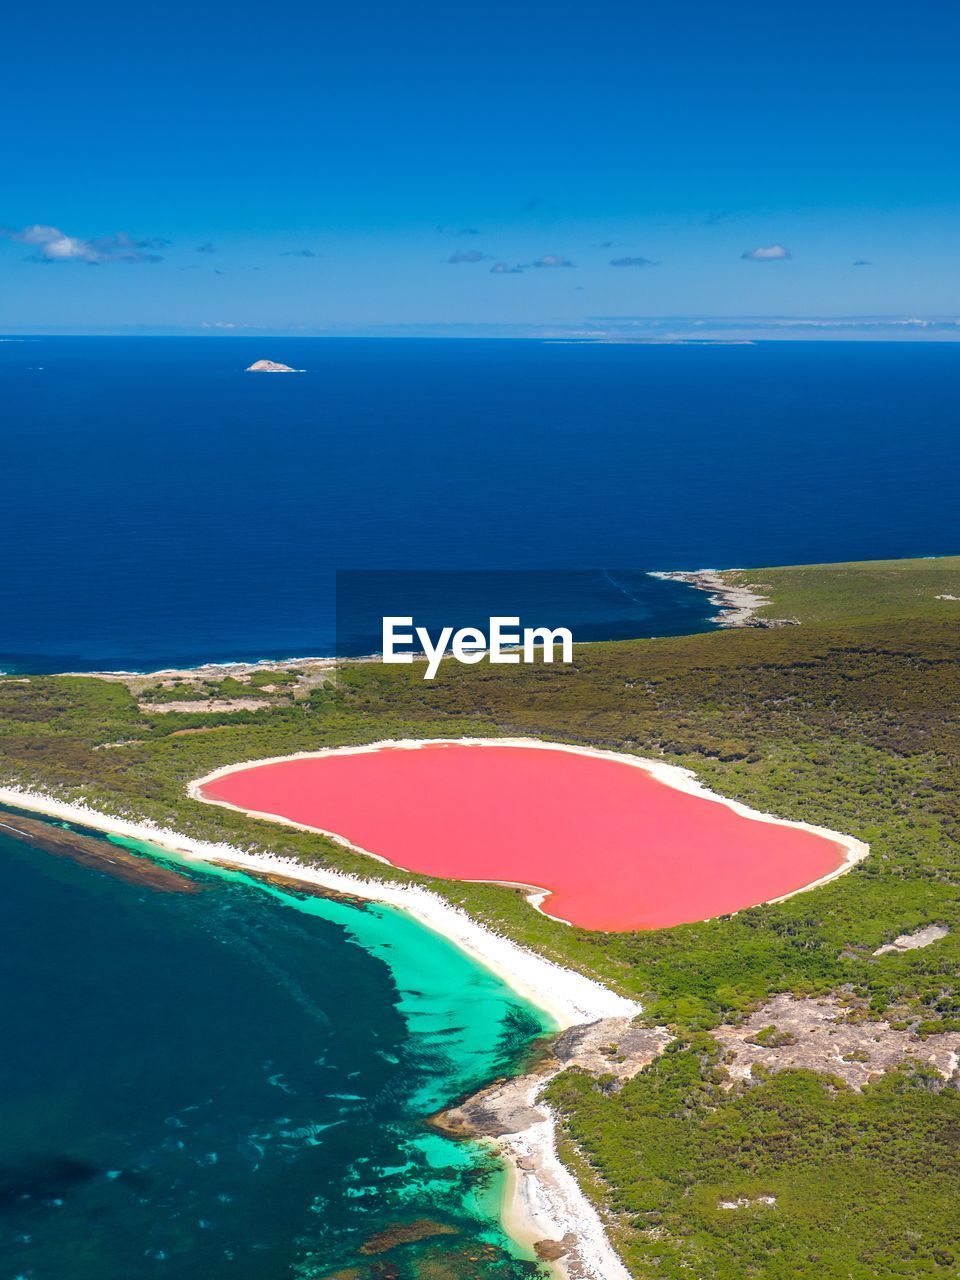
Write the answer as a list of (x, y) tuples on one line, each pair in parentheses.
[(913, 941), (501, 1108), (738, 605), (609, 1047), (554, 1250), (269, 366), (827, 1036), (204, 706), (612, 1047)]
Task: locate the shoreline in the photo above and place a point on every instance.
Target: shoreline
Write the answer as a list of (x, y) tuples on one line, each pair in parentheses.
[(733, 601), (543, 1203), (678, 777), (570, 998), (737, 605), (512, 1117), (220, 670), (539, 1194)]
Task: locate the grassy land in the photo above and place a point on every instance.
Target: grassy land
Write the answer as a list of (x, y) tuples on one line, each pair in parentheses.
[(864, 1183), (861, 591), (850, 720)]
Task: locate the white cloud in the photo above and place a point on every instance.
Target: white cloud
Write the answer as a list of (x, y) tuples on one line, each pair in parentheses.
[(50, 244), (767, 253), (551, 260)]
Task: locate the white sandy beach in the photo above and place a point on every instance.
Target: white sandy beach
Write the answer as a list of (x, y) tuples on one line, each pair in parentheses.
[(545, 1202)]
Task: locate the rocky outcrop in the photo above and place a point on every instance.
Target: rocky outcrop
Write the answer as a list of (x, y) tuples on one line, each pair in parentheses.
[(913, 941), (565, 1229), (738, 605), (613, 1049), (269, 366), (835, 1039)]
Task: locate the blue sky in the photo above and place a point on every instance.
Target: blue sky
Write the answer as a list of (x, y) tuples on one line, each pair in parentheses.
[(381, 167)]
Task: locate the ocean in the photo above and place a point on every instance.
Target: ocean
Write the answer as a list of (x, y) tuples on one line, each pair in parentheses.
[(162, 507), (235, 1082)]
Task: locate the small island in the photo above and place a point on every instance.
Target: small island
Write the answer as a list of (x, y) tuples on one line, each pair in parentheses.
[(269, 366)]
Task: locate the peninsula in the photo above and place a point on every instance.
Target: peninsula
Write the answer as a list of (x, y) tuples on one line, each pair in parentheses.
[(808, 1019)]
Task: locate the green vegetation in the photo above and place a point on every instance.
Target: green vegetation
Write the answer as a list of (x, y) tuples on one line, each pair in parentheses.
[(850, 720), (773, 1038), (860, 591), (259, 684), (864, 1183)]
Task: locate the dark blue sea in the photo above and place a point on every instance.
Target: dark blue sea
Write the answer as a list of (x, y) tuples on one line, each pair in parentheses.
[(163, 507)]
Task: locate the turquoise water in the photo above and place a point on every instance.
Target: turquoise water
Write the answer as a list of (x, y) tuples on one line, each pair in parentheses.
[(233, 1082)]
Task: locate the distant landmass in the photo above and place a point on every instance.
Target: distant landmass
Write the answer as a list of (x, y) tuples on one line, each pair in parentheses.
[(270, 366)]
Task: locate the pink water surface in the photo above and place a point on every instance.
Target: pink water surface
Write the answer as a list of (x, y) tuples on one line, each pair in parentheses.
[(615, 847)]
